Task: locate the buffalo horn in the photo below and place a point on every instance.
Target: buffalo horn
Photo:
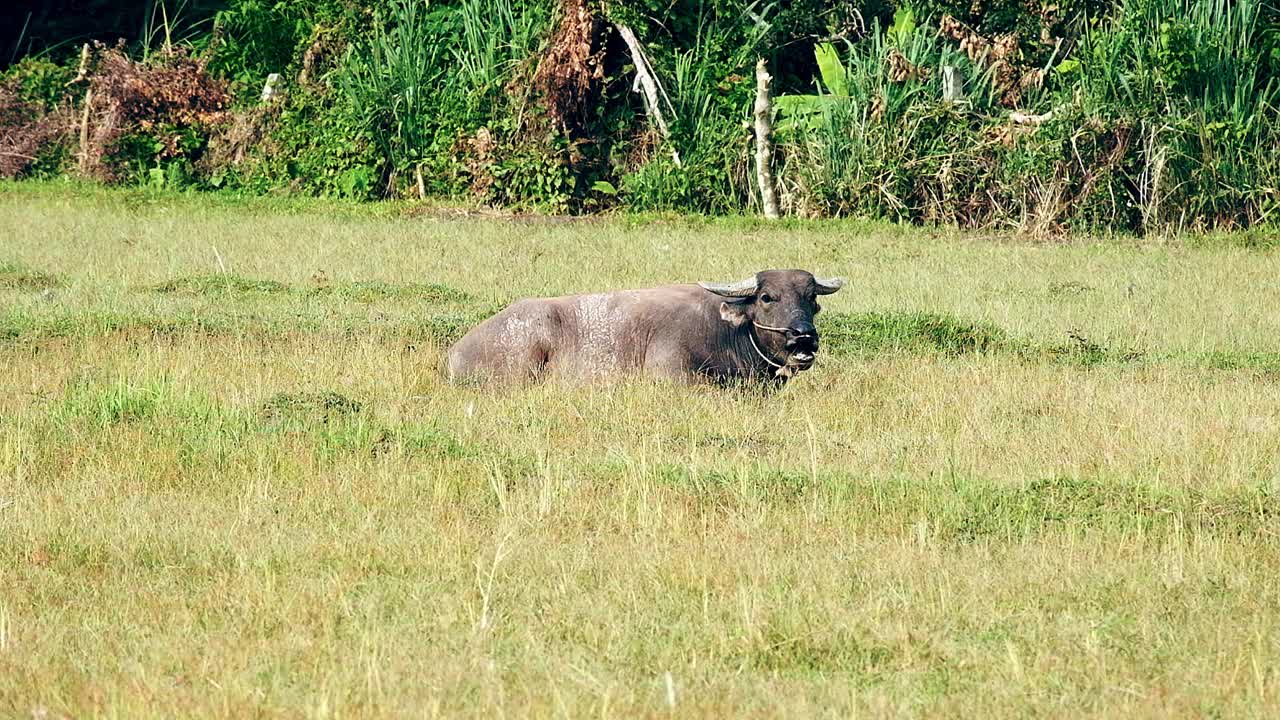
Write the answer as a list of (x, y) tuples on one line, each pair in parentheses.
[(826, 286), (742, 288)]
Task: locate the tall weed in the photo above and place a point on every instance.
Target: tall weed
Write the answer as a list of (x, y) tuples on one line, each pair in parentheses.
[(496, 35), (396, 81), (708, 89), (877, 140), (1192, 79)]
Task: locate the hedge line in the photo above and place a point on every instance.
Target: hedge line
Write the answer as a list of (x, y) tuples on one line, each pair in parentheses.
[(1132, 115)]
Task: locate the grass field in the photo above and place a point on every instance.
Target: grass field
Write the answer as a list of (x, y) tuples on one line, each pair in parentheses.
[(1024, 479)]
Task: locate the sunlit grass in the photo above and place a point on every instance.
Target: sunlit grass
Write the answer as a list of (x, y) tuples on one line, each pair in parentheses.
[(1023, 479)]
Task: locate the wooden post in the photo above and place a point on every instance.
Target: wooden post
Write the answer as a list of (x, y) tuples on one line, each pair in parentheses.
[(271, 88), (764, 142), (84, 132), (82, 75), (952, 86)]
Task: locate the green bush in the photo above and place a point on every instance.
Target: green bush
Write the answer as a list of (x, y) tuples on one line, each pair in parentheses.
[(313, 144), (40, 82), (879, 141)]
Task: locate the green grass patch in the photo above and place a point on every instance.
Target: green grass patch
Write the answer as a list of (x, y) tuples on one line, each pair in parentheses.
[(843, 335), (448, 328), (812, 650), (18, 326), (116, 403), (371, 290), (124, 401), (867, 334), (1264, 362), (1265, 237), (220, 284), (224, 284), (1080, 350), (323, 405), (968, 509), (877, 332)]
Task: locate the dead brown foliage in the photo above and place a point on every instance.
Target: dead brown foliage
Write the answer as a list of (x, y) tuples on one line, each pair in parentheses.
[(245, 130), (901, 69), (163, 96), (1002, 55), (569, 75), (27, 130), (480, 151)]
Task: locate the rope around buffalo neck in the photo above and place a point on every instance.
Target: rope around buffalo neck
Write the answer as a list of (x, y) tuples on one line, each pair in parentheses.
[(780, 370), (783, 371)]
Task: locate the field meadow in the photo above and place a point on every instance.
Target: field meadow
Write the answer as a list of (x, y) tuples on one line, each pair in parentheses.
[(1025, 479)]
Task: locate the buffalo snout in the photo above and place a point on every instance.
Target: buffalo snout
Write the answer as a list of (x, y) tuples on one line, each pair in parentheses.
[(802, 335)]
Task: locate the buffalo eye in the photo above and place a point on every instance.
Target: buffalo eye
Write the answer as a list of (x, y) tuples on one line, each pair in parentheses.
[(766, 298)]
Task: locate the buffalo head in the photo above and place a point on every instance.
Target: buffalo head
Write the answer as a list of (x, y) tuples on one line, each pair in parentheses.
[(776, 308)]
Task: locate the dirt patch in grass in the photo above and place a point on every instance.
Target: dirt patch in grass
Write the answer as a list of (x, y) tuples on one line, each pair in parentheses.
[(19, 277)]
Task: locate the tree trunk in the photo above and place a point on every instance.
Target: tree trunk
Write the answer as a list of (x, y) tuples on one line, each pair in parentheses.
[(764, 142)]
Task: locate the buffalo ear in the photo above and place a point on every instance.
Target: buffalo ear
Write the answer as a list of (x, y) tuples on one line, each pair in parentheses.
[(826, 286), (734, 313)]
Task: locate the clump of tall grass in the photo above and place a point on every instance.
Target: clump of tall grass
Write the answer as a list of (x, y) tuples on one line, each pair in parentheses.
[(1194, 82), (393, 80), (1164, 117), (421, 76), (703, 165), (877, 139), (496, 36)]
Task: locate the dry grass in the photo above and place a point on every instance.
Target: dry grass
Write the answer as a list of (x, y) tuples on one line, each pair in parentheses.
[(234, 502)]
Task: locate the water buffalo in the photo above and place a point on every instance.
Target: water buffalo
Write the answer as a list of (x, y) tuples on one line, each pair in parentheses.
[(758, 329)]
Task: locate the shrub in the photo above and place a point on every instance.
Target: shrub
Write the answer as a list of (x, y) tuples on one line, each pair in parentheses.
[(35, 118), (880, 142), (1141, 115), (151, 120), (1191, 86)]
